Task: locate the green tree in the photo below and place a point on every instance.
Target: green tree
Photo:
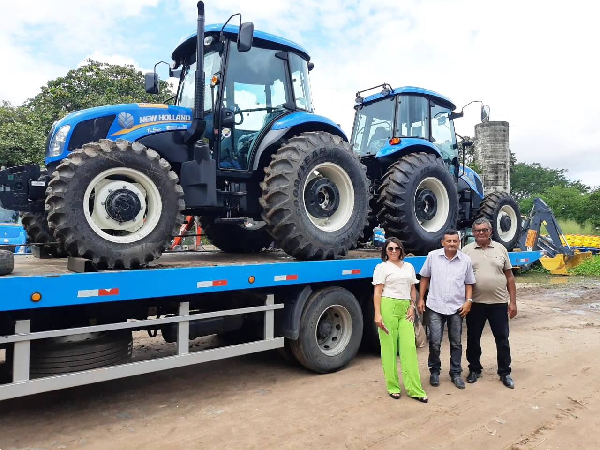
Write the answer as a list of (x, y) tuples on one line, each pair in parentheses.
[(527, 180), (24, 128), (567, 202), (592, 208)]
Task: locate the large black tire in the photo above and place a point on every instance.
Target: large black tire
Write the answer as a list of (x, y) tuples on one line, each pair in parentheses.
[(36, 226), (502, 210), (331, 329), (65, 355), (232, 238), (82, 174), (315, 216), (418, 202), (7, 262)]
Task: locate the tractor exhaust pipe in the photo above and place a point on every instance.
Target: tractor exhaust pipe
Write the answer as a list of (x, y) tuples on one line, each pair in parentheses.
[(196, 130)]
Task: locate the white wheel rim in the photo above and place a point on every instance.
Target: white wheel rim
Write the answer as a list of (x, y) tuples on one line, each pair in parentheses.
[(345, 207), (507, 235), (334, 330), (437, 222), (144, 223)]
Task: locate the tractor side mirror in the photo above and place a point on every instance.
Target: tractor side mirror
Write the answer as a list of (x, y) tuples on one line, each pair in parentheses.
[(227, 118), (245, 37), (311, 66), (485, 113), (151, 81)]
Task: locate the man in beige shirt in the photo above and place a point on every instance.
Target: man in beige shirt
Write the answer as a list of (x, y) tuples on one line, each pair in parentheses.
[(494, 300)]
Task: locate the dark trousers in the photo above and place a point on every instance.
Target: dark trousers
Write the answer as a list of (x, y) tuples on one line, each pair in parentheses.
[(497, 315), (436, 323)]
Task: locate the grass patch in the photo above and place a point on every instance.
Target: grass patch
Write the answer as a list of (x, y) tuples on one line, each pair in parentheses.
[(588, 268), (572, 227)]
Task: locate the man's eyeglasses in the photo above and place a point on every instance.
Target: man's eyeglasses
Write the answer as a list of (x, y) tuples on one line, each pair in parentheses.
[(393, 249), (485, 230)]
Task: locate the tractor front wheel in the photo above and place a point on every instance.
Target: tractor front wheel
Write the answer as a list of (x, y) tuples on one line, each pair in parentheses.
[(315, 197), (115, 203)]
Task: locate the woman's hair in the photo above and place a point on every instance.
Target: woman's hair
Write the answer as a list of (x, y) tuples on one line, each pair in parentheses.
[(395, 240)]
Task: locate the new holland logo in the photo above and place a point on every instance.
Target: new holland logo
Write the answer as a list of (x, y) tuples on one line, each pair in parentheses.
[(125, 120)]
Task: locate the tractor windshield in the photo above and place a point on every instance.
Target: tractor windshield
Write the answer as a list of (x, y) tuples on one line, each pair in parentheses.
[(442, 133), (212, 63), (373, 126)]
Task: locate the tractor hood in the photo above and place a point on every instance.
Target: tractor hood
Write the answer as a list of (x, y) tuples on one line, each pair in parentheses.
[(130, 122)]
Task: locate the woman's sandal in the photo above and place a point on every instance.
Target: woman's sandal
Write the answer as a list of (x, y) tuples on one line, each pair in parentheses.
[(395, 395), (421, 399)]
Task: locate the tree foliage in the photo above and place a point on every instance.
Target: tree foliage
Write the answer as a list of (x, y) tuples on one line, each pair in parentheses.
[(24, 129)]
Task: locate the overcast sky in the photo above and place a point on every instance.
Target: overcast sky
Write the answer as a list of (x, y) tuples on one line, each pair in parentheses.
[(534, 62)]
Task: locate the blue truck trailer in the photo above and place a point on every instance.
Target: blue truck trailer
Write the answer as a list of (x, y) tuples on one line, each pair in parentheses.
[(60, 328)]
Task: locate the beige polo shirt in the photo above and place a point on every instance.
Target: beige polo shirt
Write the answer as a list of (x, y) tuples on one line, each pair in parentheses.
[(489, 265)]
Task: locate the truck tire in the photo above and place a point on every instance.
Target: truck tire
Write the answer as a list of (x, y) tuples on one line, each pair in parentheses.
[(116, 203), (234, 239), (331, 330), (502, 210), (315, 197), (7, 262), (418, 202), (55, 356), (36, 226)]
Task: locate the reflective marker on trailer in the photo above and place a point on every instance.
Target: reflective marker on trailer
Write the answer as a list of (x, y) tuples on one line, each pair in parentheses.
[(351, 272), (525, 260), (98, 292), (285, 277), (205, 284)]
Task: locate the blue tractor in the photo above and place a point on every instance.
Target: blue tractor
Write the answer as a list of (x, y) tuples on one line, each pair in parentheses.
[(419, 186), (241, 147)]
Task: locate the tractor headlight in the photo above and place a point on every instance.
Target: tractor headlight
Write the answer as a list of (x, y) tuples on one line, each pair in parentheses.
[(57, 144)]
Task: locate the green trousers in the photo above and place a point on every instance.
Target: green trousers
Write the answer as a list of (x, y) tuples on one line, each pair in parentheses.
[(401, 337)]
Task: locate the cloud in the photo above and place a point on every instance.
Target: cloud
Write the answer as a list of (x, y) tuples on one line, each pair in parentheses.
[(531, 61)]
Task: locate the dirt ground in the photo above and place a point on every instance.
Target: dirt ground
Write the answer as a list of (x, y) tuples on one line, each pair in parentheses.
[(260, 401)]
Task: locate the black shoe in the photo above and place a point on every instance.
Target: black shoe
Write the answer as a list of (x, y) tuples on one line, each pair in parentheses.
[(507, 381), (472, 377), (458, 382), (434, 379)]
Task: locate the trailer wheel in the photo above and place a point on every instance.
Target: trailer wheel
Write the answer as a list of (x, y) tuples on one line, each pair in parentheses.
[(331, 330), (315, 197), (235, 239), (55, 356), (116, 203), (7, 262), (418, 202), (36, 226), (502, 210)]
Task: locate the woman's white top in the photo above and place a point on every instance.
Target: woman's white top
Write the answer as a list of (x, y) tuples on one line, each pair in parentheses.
[(396, 281)]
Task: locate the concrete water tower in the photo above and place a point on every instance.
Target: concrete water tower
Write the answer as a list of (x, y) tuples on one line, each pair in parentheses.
[(492, 155)]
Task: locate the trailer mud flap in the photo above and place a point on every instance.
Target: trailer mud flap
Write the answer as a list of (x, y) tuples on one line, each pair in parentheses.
[(21, 189)]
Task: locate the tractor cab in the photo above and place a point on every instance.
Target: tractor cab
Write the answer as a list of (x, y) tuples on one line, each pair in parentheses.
[(398, 121), (245, 92)]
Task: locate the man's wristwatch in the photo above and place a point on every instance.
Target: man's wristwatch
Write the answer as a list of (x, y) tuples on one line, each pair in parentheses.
[(470, 300)]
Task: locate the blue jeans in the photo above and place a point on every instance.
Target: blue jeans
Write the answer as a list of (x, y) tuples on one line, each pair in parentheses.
[(436, 330)]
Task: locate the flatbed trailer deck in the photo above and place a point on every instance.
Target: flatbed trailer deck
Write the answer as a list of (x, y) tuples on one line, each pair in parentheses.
[(317, 307)]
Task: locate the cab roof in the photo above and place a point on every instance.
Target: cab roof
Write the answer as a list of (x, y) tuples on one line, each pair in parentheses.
[(188, 43), (445, 101)]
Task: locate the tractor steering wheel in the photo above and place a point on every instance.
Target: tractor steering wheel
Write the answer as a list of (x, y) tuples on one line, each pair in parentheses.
[(237, 110)]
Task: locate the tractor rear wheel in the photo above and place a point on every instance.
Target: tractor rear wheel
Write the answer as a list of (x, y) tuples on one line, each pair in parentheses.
[(315, 197), (234, 239), (502, 210), (418, 202), (116, 203)]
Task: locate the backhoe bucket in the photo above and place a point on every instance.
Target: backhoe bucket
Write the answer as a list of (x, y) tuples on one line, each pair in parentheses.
[(561, 264)]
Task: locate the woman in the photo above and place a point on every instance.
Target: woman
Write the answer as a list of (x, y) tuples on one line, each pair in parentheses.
[(394, 300)]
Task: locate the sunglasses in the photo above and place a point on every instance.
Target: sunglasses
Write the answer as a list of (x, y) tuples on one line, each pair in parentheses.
[(485, 230), (393, 249)]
